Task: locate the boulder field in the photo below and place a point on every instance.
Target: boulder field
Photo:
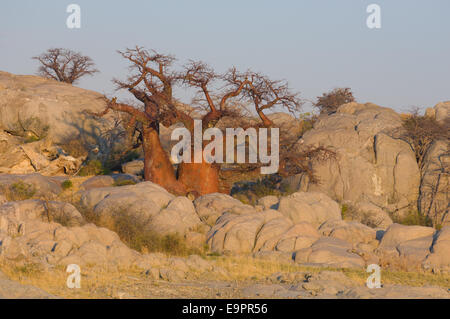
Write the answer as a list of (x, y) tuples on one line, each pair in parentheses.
[(304, 228)]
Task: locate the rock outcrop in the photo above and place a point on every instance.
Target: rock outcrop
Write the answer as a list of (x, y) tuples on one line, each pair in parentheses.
[(440, 111), (439, 259), (33, 184), (326, 239), (20, 157), (145, 203), (32, 231), (312, 207), (330, 252), (210, 207), (31, 103), (39, 118), (371, 166)]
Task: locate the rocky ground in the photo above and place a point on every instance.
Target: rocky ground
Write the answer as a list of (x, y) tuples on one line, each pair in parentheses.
[(253, 279)]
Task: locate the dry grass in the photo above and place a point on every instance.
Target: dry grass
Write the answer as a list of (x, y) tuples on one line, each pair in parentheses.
[(18, 191), (69, 194), (244, 268), (134, 232), (97, 282)]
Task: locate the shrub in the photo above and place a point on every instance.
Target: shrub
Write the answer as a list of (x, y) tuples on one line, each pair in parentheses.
[(92, 167), (20, 191), (329, 102), (131, 156), (116, 159), (88, 214), (350, 213), (75, 148), (67, 184), (31, 129), (307, 122), (124, 182), (249, 192), (30, 138), (413, 217), (135, 233), (421, 131), (345, 211)]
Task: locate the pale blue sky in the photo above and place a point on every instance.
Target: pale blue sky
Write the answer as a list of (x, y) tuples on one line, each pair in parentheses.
[(315, 44)]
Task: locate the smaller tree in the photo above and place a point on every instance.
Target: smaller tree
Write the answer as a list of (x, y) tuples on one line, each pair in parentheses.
[(329, 102), (420, 131), (64, 65), (266, 94)]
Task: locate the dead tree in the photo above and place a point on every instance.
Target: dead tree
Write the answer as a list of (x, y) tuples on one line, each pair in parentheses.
[(64, 65)]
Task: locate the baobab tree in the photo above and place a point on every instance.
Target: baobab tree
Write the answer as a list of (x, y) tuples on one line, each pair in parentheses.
[(152, 82), (64, 65)]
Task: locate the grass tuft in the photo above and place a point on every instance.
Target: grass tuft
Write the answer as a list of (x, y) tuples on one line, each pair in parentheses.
[(19, 191)]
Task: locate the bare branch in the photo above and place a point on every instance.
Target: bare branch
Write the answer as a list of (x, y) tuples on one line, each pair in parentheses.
[(265, 94), (64, 65)]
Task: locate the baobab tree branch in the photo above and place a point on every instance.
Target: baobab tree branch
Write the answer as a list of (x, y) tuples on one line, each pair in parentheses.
[(198, 74), (265, 94), (208, 99), (113, 105), (141, 58), (232, 94)]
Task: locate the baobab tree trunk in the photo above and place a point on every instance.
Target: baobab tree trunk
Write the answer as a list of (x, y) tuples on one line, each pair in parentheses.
[(201, 178), (157, 166)]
